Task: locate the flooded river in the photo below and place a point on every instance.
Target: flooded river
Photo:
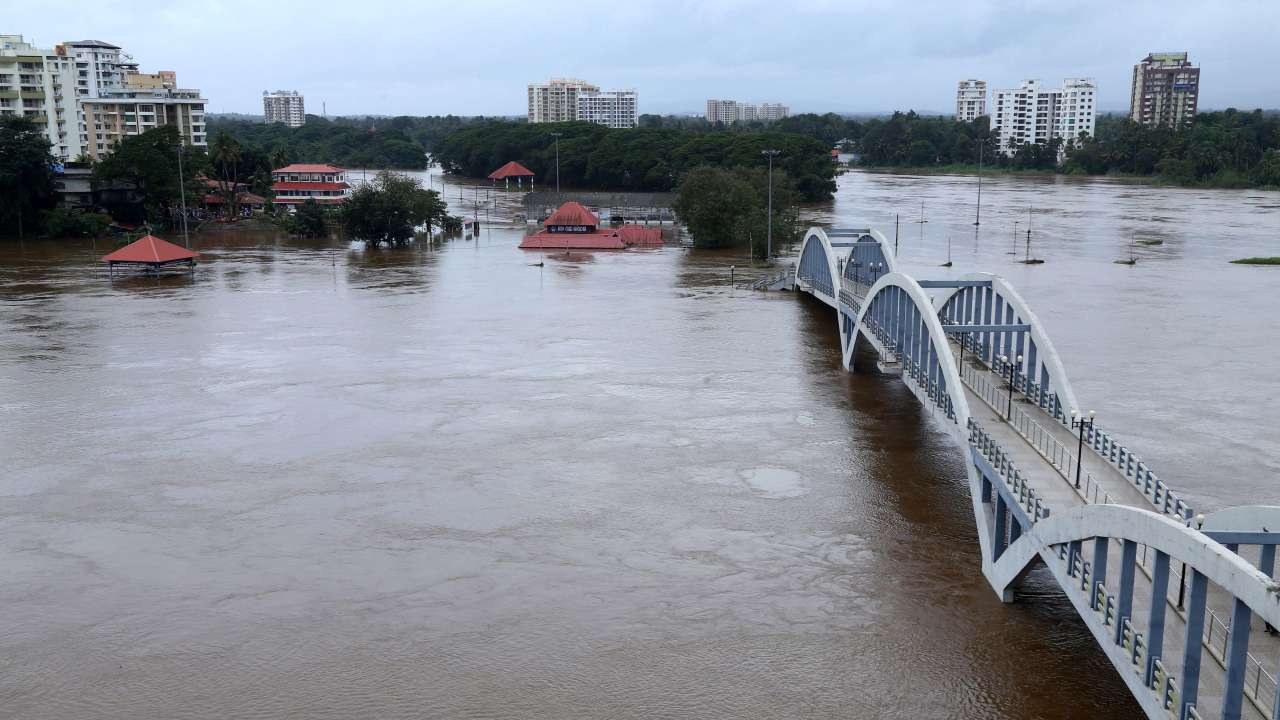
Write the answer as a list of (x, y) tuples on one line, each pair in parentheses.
[(321, 481)]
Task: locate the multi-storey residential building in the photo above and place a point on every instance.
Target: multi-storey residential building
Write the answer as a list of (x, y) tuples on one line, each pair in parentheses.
[(614, 108), (297, 183), (138, 105), (99, 66), (284, 106), (731, 111), (88, 95), (1165, 90), (1034, 114), (971, 100), (557, 100), (772, 111), (39, 84), (722, 111)]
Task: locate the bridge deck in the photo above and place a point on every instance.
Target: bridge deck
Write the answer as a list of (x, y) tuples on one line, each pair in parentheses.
[(1045, 451)]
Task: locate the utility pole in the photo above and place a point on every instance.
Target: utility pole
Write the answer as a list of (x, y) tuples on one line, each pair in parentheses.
[(977, 219), (771, 154), (182, 188), (557, 135), (1028, 258)]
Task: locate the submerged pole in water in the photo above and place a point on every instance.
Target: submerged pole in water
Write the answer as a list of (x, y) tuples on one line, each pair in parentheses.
[(977, 218)]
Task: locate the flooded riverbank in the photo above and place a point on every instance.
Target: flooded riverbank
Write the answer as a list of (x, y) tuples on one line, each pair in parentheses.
[(325, 481)]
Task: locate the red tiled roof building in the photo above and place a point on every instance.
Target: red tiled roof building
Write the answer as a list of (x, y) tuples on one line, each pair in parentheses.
[(572, 226), (297, 183), (515, 170)]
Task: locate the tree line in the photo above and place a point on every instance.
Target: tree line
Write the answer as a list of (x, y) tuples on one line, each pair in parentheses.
[(652, 159), (399, 143)]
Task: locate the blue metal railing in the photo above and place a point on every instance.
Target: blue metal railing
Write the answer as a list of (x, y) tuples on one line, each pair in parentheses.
[(1135, 470), (1013, 478)]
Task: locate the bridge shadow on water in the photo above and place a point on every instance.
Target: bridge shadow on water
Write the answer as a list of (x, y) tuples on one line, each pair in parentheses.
[(910, 499)]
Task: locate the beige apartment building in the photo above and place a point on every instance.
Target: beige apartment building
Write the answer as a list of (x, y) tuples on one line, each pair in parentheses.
[(141, 105), (1165, 90), (89, 95), (557, 100)]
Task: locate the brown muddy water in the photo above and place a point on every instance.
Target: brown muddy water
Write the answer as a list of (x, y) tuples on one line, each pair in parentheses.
[(321, 481)]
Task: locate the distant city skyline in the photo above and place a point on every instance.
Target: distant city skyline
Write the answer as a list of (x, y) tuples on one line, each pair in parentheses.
[(794, 54)]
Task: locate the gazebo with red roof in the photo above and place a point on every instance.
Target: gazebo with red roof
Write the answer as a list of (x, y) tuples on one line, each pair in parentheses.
[(515, 170), (152, 253)]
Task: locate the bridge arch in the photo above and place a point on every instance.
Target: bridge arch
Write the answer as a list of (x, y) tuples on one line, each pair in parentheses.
[(816, 272), (1219, 565), (991, 300), (899, 321)]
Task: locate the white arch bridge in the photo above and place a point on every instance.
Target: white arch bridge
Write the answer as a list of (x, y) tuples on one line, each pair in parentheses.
[(1181, 604)]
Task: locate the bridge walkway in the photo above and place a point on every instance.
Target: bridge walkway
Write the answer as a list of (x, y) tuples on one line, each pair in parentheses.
[(1045, 450)]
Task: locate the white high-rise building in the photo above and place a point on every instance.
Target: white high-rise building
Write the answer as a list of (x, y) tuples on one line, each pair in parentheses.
[(614, 108), (1030, 113), (89, 96), (40, 84), (732, 111), (971, 100), (557, 100), (772, 111), (284, 106)]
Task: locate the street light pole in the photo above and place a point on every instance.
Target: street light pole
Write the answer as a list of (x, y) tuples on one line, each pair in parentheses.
[(771, 154), (1081, 423), (557, 135), (182, 188), (977, 218), (1008, 415)]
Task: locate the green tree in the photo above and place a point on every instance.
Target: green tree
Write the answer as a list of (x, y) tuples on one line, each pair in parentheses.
[(63, 223), (308, 221), (728, 208), (26, 174), (224, 157), (644, 159), (146, 167), (390, 208)]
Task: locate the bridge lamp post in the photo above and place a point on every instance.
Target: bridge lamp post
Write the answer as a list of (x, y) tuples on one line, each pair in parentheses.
[(1081, 424), (771, 154), (1182, 579), (875, 270), (1008, 415)]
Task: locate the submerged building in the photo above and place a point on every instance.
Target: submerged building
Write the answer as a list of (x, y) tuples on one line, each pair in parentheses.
[(573, 227), (300, 182)]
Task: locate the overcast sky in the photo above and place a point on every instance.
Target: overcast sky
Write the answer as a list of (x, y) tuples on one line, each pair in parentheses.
[(470, 57)]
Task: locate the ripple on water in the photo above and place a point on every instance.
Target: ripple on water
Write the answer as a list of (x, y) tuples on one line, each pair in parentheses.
[(773, 482)]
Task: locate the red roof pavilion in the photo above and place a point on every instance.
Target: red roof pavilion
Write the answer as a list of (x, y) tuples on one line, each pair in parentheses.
[(572, 213), (151, 251), (512, 169), (572, 226)]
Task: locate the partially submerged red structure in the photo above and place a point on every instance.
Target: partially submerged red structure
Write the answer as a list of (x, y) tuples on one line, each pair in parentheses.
[(151, 252), (515, 170), (573, 227)]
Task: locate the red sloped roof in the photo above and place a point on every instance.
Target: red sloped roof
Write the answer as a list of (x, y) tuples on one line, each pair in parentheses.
[(150, 249), (511, 169), (637, 235), (572, 213), (304, 167), (608, 240)]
